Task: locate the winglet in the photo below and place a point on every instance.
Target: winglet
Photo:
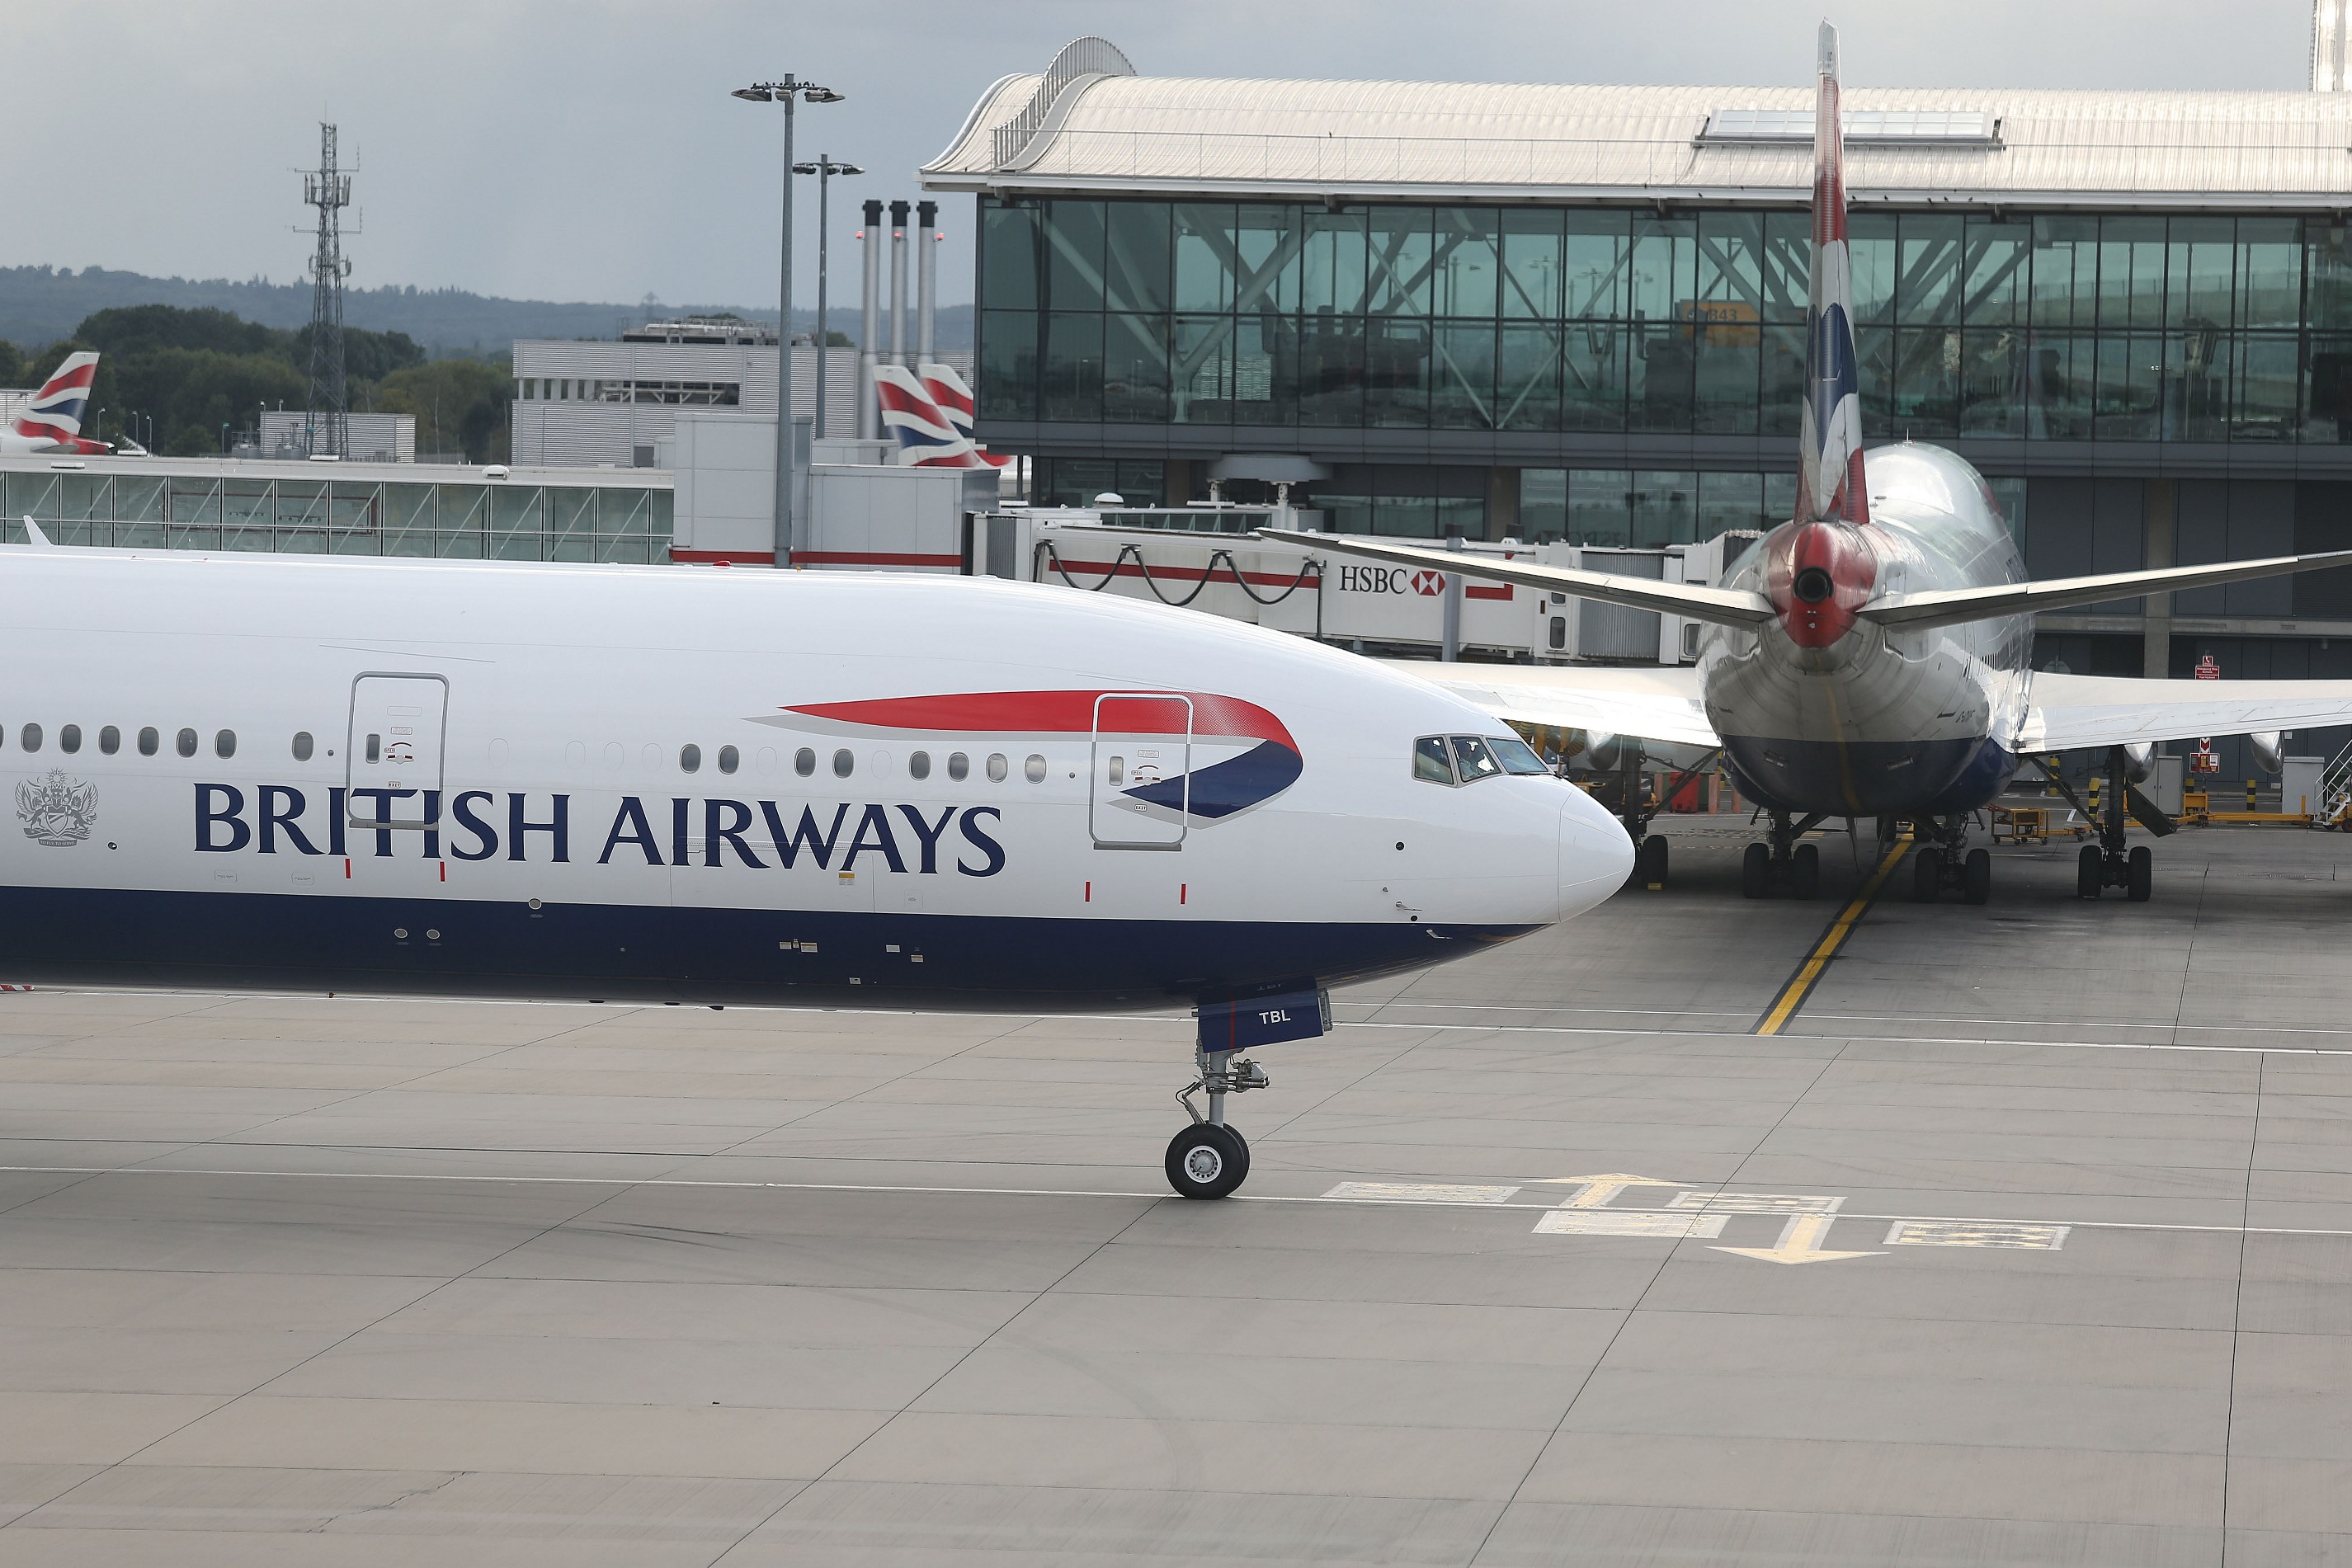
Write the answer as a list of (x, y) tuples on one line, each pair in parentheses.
[(33, 534)]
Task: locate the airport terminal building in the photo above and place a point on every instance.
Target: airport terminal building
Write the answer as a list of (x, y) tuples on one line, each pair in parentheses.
[(1577, 313)]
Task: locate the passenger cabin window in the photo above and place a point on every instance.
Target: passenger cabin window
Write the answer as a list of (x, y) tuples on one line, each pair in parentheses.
[(844, 763), (1430, 762), (374, 747), (1034, 769), (225, 744), (804, 762), (689, 758), (1117, 771), (301, 745), (110, 740), (69, 738), (185, 744), (31, 737), (958, 766), (918, 764), (148, 740), (1471, 761), (997, 767), (729, 759)]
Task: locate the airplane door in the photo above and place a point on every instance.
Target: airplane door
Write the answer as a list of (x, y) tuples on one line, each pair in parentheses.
[(399, 725), (1141, 770)]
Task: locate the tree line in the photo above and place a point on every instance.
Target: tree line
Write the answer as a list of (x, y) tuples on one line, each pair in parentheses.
[(202, 376)]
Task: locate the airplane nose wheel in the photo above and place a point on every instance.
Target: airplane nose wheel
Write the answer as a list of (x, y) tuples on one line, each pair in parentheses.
[(1210, 1159), (1206, 1161)]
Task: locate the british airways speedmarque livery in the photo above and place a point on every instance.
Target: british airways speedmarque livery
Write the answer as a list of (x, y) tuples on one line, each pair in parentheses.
[(670, 784)]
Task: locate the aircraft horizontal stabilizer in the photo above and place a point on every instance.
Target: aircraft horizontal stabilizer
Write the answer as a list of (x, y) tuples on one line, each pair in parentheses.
[(1952, 606), (1724, 606)]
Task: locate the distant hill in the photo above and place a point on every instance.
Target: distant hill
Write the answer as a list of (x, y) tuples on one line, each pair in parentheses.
[(41, 305)]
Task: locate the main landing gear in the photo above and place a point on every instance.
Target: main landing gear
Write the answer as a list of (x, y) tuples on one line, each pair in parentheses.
[(1209, 1158), (2109, 863), (1948, 863), (1637, 812), (1783, 862)]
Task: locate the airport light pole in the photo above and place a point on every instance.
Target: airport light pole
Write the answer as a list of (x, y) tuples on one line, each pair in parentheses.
[(787, 93), (824, 169)]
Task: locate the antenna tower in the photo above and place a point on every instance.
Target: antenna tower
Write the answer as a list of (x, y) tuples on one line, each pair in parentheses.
[(330, 192)]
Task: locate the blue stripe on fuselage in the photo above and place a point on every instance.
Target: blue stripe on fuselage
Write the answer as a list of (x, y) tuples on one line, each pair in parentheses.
[(1871, 778), (422, 946)]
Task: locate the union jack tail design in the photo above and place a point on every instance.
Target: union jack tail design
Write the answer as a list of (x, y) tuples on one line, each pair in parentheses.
[(947, 390), (55, 413), (929, 435), (1830, 482)]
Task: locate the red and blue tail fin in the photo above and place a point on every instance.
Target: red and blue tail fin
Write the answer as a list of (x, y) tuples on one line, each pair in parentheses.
[(1829, 481), (56, 409)]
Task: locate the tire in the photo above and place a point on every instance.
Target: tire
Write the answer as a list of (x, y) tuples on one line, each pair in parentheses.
[(1203, 1163), (1755, 872), (1927, 876), (1650, 863), (2090, 871), (1975, 876), (1805, 870), (1241, 1151), (2141, 874)]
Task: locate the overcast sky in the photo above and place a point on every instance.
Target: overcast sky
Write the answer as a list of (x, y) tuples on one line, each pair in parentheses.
[(587, 148)]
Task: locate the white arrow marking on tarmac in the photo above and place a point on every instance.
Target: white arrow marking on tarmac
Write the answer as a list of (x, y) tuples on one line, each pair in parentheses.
[(1600, 1190), (1799, 1243)]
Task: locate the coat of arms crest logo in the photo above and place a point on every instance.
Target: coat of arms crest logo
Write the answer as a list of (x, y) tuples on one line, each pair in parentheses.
[(57, 811)]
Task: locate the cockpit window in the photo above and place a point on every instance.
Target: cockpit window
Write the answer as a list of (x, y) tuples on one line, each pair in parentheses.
[(1472, 760), (1430, 763), (1516, 755)]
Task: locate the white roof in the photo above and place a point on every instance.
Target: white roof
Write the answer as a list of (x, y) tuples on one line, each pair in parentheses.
[(1312, 140)]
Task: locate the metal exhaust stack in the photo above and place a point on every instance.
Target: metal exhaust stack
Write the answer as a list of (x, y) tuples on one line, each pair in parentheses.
[(927, 214), (897, 283), (870, 326)]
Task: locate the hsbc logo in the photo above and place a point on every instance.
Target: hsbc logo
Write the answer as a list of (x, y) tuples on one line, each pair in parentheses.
[(1391, 579)]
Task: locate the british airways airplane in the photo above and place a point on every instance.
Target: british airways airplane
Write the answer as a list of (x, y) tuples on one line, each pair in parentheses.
[(681, 785), (1872, 656)]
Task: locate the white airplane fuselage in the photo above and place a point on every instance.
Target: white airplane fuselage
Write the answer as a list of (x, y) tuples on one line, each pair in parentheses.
[(686, 784), (1846, 718)]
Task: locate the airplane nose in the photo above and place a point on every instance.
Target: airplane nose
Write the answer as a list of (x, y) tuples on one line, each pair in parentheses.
[(1595, 855)]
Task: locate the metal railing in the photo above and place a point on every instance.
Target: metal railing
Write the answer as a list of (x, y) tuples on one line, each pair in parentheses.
[(1079, 60)]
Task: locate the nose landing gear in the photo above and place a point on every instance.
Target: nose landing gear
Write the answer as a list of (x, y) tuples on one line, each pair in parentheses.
[(1209, 1158)]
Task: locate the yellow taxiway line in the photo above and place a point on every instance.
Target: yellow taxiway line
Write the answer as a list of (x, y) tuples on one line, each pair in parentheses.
[(1801, 984)]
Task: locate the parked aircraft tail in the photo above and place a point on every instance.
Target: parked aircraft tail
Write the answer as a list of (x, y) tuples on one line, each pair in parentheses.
[(1830, 477), (56, 409)]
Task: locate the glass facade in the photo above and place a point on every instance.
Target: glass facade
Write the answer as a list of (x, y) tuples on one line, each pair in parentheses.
[(478, 519), (2051, 328)]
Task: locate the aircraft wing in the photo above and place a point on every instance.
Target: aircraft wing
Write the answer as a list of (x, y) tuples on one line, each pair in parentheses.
[(1649, 704), (2064, 712)]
